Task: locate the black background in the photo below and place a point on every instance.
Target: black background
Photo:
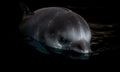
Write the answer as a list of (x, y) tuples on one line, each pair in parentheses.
[(96, 11)]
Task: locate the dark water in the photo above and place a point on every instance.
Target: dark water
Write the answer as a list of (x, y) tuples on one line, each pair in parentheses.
[(105, 42)]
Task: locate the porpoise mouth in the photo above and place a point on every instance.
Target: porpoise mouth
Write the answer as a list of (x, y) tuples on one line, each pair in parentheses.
[(75, 55), (71, 54), (82, 56)]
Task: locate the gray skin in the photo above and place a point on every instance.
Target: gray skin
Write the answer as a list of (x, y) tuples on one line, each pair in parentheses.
[(58, 28)]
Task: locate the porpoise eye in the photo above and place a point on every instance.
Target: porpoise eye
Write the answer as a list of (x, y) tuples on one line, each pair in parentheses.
[(62, 40)]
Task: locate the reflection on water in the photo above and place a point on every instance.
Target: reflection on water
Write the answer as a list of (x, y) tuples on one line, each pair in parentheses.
[(102, 37)]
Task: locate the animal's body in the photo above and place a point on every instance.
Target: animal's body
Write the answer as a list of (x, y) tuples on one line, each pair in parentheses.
[(58, 28)]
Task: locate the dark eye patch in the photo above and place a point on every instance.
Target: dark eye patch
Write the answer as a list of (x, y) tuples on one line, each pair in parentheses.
[(62, 40)]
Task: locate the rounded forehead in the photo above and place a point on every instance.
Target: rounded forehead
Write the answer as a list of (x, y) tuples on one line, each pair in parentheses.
[(64, 22)]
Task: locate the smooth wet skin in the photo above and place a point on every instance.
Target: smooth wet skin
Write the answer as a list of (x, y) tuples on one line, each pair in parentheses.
[(61, 30)]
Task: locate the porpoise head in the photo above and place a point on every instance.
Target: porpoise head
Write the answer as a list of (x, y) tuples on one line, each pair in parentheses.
[(61, 30)]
